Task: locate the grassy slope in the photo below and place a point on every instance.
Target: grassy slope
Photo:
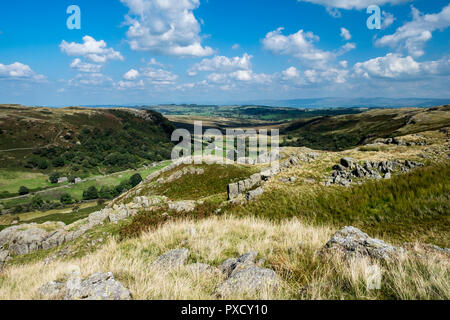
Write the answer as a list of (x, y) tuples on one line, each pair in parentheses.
[(347, 131), (91, 135)]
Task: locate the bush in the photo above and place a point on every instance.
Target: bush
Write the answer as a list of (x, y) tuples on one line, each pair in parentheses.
[(54, 177), (42, 164), (23, 190), (105, 193), (135, 180), (90, 194), (58, 162), (66, 198), (37, 202)]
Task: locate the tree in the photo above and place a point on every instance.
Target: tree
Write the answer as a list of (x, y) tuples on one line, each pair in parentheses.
[(42, 164), (23, 190), (37, 202), (58, 162), (66, 198), (135, 180), (90, 194), (105, 193), (54, 177)]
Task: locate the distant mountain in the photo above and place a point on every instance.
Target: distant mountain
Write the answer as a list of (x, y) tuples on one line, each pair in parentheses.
[(353, 102)]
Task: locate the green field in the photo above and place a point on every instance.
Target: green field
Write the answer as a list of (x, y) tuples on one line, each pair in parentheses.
[(76, 190)]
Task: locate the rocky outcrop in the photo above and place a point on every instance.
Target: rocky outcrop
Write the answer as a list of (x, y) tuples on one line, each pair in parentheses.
[(348, 170), (244, 277), (99, 286), (351, 242), (182, 206), (178, 174), (171, 259), (238, 188)]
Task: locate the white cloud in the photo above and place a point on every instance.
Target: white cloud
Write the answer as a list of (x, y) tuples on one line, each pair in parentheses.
[(131, 75), (130, 84), (290, 73), (394, 66), (349, 46), (165, 27), (19, 71), (236, 46), (387, 19), (159, 76), (299, 45), (96, 51), (90, 79), (222, 64), (81, 66), (413, 35), (345, 34), (354, 4)]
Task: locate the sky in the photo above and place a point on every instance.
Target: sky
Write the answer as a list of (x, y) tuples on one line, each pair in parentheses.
[(220, 51)]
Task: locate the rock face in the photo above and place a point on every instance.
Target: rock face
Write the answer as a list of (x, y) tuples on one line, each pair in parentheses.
[(254, 194), (172, 259), (352, 242), (348, 170), (238, 188), (99, 286), (244, 277)]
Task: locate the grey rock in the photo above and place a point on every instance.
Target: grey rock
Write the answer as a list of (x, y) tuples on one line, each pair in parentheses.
[(182, 206), (27, 241), (99, 217), (172, 259), (4, 257), (119, 215), (347, 162), (352, 242), (252, 195), (248, 281), (339, 167), (233, 191), (228, 266), (99, 286)]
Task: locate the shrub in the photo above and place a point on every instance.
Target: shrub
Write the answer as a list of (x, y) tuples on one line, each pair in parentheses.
[(91, 193), (53, 178), (135, 180), (66, 198), (37, 202), (42, 164), (58, 162), (23, 190)]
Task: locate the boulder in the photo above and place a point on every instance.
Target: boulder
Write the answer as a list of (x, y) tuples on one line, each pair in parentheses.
[(98, 217), (348, 162), (27, 241), (233, 191), (119, 215), (250, 280), (351, 242), (182, 206), (4, 256), (230, 266), (172, 259), (252, 195), (99, 286)]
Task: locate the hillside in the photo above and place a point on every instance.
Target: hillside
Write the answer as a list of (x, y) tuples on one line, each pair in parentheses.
[(348, 131), (81, 139)]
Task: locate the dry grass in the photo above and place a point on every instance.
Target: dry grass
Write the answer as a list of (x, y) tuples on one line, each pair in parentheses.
[(289, 247)]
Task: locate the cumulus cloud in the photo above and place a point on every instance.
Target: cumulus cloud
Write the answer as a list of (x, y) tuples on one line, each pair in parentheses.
[(354, 4), (413, 35), (19, 71), (299, 45), (96, 51), (345, 34), (236, 46), (222, 64), (387, 19), (165, 27), (81, 66), (131, 75), (290, 73), (395, 66)]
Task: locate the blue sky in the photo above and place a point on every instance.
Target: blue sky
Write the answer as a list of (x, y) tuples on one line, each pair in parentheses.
[(221, 51)]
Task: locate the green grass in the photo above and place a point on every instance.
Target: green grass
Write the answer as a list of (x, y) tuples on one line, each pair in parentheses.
[(214, 181), (12, 180), (67, 218), (409, 207), (76, 190)]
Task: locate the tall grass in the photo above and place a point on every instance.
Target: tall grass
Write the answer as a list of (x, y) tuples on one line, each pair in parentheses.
[(409, 207)]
